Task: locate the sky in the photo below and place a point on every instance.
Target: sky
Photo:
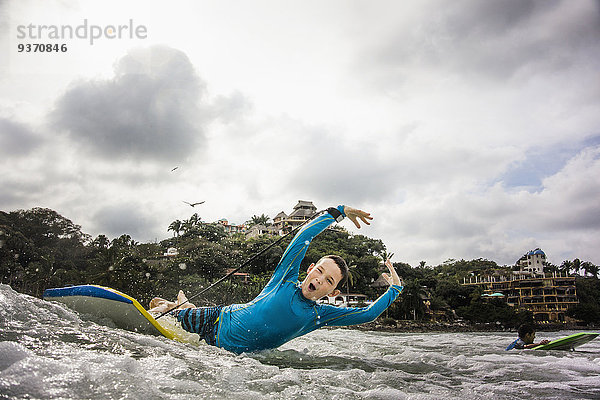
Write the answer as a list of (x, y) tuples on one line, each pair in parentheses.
[(469, 129)]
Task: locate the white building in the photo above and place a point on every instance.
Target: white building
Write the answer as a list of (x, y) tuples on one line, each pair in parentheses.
[(533, 262), (303, 211), (171, 252), (346, 300)]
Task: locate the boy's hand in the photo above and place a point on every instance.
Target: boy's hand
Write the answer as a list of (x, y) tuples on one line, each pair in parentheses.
[(392, 278), (353, 214), (545, 341)]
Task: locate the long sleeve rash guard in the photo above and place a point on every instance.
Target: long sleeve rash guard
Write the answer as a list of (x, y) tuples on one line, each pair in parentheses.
[(281, 313)]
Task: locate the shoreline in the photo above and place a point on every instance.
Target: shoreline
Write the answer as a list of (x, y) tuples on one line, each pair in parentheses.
[(449, 327)]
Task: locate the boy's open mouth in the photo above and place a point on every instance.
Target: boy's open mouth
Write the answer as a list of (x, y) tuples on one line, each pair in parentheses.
[(311, 287)]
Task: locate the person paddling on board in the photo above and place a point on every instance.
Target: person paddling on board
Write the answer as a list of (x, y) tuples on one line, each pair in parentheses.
[(286, 308), (526, 338)]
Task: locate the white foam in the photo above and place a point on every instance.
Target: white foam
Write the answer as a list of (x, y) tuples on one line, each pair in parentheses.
[(57, 355), (11, 352)]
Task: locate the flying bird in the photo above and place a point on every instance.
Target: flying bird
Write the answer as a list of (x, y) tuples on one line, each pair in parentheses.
[(174, 169), (193, 204)]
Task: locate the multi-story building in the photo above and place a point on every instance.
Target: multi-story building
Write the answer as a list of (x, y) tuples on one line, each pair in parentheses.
[(547, 296), (533, 262), (260, 229), (302, 212), (230, 229)]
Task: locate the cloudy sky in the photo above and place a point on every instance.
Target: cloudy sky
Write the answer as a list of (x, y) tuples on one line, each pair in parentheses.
[(467, 128)]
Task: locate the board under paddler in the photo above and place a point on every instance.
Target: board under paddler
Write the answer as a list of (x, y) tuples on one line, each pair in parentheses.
[(568, 342), (123, 310)]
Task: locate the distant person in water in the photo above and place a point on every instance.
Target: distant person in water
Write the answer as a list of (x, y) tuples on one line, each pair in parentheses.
[(287, 308), (526, 338)]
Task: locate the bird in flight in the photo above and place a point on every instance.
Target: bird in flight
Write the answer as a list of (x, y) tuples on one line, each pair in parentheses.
[(193, 204), (174, 169)]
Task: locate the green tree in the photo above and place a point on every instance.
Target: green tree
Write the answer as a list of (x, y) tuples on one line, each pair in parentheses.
[(36, 244), (190, 226), (588, 293), (260, 220), (352, 271), (175, 226), (566, 267), (454, 294), (590, 268), (411, 301)]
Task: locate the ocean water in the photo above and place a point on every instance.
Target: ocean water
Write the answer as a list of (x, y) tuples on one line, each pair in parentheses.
[(50, 352)]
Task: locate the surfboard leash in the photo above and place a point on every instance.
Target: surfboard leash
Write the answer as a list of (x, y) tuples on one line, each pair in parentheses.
[(248, 261)]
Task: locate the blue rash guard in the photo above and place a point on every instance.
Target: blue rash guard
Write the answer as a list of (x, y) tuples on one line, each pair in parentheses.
[(281, 313), (517, 344)]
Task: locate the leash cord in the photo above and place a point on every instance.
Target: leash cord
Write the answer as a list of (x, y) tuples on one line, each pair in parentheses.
[(248, 261)]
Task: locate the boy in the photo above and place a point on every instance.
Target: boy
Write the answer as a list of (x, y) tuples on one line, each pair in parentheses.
[(526, 338), (286, 308)]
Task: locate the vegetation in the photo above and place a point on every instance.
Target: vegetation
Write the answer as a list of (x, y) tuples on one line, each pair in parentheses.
[(40, 249)]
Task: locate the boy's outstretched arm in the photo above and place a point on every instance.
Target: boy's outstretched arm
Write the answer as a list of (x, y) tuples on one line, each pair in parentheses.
[(532, 345), (343, 316), (289, 264)]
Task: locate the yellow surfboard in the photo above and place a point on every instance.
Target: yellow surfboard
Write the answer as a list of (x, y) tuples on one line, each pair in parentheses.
[(123, 310)]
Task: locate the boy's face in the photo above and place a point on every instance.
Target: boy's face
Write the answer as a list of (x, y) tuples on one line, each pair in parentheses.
[(529, 337), (321, 280)]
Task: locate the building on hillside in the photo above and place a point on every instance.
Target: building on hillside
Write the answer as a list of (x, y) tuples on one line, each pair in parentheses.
[(171, 252), (243, 277), (260, 229), (547, 296), (533, 262), (302, 212), (230, 229), (346, 300)]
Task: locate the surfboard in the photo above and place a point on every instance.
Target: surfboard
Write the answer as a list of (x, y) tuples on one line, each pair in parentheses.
[(568, 342), (104, 302)]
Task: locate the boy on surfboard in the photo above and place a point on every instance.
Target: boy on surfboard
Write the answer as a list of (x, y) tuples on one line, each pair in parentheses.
[(526, 338), (287, 308)]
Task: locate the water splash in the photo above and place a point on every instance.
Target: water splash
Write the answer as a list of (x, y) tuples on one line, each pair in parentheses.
[(48, 351)]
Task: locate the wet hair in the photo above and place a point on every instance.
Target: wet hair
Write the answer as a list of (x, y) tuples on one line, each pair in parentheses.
[(341, 263), (525, 329)]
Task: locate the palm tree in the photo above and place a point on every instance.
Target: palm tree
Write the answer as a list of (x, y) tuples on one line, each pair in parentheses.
[(350, 281), (590, 268), (262, 220), (195, 219), (384, 255), (566, 266), (412, 297), (190, 224), (551, 268), (176, 227), (576, 266)]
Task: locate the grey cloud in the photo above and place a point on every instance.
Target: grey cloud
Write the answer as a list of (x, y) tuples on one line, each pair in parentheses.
[(494, 38), (16, 139), (490, 18), (376, 172), (150, 109), (117, 220), (330, 166), (232, 107), (13, 193)]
